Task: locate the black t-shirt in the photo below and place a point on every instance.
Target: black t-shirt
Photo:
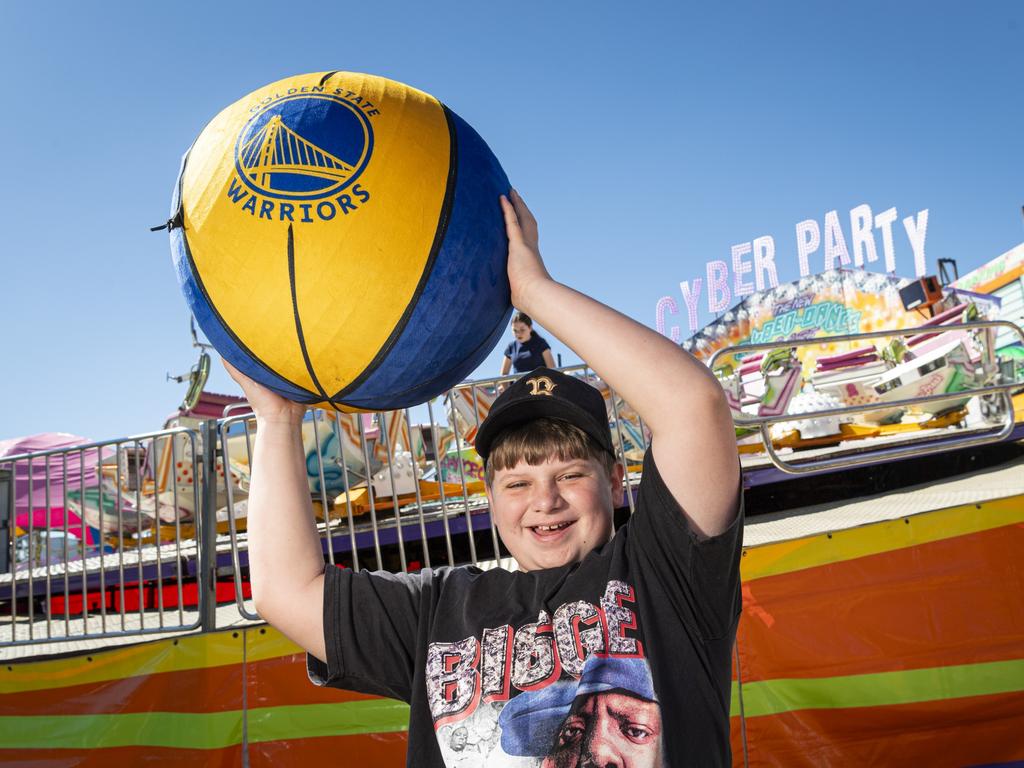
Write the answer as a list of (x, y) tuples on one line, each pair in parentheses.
[(528, 355), (624, 656)]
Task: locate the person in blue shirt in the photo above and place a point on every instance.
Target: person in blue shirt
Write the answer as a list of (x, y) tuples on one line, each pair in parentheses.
[(529, 350)]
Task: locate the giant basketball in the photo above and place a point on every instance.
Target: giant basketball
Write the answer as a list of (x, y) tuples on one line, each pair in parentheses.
[(339, 239)]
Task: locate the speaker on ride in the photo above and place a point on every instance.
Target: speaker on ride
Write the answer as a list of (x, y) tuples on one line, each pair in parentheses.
[(921, 294)]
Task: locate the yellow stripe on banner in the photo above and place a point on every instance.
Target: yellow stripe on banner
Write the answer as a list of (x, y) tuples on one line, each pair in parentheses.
[(875, 538), (262, 643), (879, 689), (202, 651)]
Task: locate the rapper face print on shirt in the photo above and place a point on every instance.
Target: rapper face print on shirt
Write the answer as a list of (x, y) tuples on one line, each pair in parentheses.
[(571, 689)]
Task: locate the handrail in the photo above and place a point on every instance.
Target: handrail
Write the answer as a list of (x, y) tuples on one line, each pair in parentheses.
[(922, 448), (222, 430)]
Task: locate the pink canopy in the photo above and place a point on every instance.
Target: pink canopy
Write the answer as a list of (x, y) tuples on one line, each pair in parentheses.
[(73, 471)]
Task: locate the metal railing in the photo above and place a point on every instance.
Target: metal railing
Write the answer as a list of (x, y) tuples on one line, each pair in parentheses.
[(399, 490), (147, 534), (160, 518), (105, 548), (858, 457)]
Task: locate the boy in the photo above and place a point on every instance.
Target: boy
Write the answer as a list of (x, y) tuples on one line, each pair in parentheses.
[(646, 617)]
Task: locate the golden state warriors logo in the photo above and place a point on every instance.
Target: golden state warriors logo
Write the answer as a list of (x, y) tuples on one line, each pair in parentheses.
[(299, 156)]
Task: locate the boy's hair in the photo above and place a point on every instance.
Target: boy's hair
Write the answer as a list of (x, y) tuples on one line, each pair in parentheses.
[(541, 439)]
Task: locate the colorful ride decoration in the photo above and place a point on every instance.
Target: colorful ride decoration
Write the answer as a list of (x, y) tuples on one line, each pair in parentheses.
[(764, 384), (47, 492), (457, 466), (832, 374), (834, 303), (1003, 279), (338, 237)]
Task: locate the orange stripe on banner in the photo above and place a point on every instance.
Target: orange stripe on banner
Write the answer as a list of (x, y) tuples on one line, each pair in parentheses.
[(230, 757), (386, 750), (949, 602), (283, 681), (271, 682), (214, 689), (952, 732)]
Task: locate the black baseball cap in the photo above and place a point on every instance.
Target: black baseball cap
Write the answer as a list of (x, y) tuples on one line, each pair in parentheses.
[(546, 394)]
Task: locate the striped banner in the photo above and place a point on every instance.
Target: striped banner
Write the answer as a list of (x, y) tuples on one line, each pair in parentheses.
[(199, 700), (898, 643)]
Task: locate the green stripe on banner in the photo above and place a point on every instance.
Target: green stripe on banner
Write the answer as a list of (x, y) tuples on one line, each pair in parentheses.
[(202, 730), (189, 730), (773, 697), (345, 718)]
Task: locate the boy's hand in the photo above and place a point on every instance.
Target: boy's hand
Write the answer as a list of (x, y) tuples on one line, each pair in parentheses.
[(525, 266), (267, 405)]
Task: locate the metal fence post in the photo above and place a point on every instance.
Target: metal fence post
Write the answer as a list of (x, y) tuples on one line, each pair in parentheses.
[(7, 523), (207, 568)]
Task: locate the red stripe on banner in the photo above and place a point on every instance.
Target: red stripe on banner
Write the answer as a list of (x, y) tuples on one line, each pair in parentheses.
[(211, 689), (229, 757), (271, 682), (977, 730), (283, 681), (950, 602), (385, 750)]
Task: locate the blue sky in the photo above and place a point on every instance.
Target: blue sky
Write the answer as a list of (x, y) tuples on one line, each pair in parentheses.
[(649, 138)]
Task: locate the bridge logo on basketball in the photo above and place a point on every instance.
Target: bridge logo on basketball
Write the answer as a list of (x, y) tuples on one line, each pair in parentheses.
[(299, 157)]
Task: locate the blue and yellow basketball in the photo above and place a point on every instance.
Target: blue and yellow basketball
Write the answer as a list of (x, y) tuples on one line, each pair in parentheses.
[(338, 237)]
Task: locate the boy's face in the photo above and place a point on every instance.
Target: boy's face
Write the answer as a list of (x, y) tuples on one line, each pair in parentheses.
[(554, 513)]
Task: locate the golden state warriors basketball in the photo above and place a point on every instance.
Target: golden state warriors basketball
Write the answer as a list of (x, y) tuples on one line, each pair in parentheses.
[(338, 237)]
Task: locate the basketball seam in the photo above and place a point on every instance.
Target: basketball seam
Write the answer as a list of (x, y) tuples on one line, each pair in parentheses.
[(501, 322), (439, 235), (295, 314), (209, 302)]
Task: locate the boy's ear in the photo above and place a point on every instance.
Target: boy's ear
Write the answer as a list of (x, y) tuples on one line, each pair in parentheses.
[(618, 474)]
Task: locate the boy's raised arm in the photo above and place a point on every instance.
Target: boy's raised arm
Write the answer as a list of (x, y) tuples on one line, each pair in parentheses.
[(286, 562), (676, 395)]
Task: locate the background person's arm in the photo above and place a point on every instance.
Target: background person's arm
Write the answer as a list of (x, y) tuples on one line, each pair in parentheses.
[(549, 359), (677, 396), (286, 562)]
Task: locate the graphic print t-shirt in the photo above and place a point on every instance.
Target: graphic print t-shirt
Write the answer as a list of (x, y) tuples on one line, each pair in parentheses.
[(623, 658)]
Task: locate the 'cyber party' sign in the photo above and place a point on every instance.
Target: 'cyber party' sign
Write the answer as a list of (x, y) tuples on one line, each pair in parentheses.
[(819, 247)]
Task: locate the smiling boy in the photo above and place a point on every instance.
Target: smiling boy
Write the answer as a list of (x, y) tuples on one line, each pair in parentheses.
[(660, 596)]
